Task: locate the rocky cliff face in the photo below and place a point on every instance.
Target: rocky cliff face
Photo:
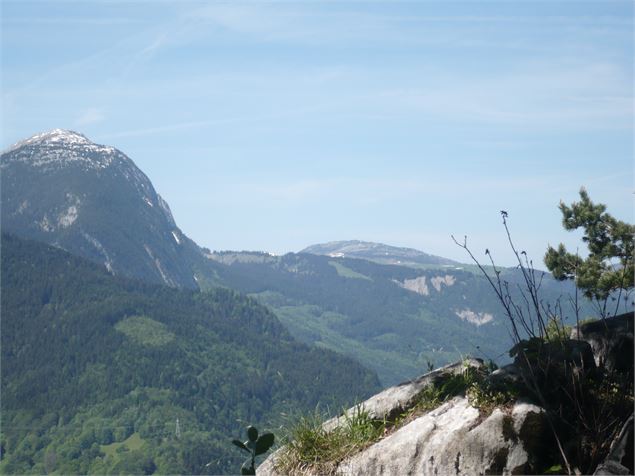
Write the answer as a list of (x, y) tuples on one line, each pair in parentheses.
[(60, 188)]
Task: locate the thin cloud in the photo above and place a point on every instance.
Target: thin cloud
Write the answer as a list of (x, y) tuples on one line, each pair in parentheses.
[(202, 124), (71, 21), (542, 95), (369, 191), (89, 116)]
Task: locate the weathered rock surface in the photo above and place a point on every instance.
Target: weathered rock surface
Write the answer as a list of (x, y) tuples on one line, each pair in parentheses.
[(393, 401), (456, 439), (611, 341), (508, 373), (620, 457), (453, 440)]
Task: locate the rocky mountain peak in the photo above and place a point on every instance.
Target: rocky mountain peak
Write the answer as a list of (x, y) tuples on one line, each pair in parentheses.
[(55, 136), (59, 148), (62, 188)]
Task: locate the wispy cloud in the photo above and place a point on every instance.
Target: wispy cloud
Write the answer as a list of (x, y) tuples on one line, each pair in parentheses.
[(370, 191), (578, 95), (72, 21), (309, 24), (193, 125), (89, 116)]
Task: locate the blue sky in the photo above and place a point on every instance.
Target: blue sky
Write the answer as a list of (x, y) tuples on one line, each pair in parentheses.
[(276, 125)]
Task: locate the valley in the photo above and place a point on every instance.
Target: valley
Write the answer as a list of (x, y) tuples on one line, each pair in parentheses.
[(117, 328), (93, 364)]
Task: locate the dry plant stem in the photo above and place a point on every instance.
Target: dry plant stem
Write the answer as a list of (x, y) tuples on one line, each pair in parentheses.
[(511, 310), (496, 287), (529, 276)]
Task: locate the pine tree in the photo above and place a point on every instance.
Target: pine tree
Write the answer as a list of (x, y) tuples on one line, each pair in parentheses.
[(607, 272)]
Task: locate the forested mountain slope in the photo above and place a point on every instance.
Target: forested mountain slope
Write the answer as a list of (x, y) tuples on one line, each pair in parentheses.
[(395, 319), (393, 309), (60, 188), (97, 369)]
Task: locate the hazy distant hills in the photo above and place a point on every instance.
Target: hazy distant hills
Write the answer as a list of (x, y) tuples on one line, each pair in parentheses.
[(378, 252), (393, 309), (394, 319)]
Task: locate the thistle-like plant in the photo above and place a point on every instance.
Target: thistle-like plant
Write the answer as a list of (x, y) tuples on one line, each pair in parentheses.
[(255, 445)]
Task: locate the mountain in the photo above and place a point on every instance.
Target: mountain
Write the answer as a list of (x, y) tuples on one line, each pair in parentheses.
[(397, 320), (379, 253), (395, 310), (60, 188), (103, 374)]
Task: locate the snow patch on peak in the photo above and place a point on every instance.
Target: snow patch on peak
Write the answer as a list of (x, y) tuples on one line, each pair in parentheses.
[(60, 147), (56, 135)]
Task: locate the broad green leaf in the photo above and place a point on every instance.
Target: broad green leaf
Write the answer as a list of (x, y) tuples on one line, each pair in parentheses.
[(240, 444), (264, 443), (252, 433)]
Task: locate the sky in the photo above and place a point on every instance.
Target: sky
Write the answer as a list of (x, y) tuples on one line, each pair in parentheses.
[(276, 125)]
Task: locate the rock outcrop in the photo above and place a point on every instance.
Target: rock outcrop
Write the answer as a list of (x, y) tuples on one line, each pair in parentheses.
[(458, 439), (389, 403), (451, 439), (611, 341)]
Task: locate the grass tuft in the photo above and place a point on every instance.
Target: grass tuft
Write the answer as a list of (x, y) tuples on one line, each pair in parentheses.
[(312, 449)]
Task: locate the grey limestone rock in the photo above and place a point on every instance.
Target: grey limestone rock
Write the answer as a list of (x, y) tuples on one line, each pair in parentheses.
[(611, 340), (393, 401), (453, 440), (507, 373)]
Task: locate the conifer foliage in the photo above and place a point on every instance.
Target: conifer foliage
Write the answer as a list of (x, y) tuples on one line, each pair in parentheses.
[(107, 375), (608, 269)]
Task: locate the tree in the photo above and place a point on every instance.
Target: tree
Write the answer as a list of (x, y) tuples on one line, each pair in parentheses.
[(607, 272), (585, 405)]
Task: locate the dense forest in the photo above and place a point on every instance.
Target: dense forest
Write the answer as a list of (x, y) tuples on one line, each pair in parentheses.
[(359, 308), (109, 375)]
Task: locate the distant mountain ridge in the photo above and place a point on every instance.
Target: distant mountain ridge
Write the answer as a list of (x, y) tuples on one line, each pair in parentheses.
[(393, 309), (378, 252), (60, 188)]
